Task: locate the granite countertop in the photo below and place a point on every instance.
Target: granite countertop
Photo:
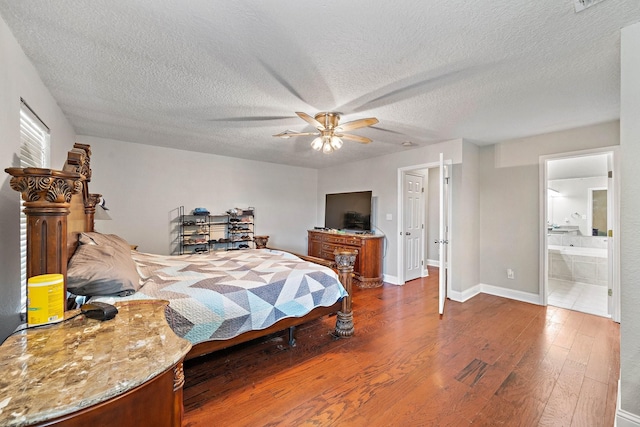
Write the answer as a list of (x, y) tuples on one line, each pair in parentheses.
[(59, 369)]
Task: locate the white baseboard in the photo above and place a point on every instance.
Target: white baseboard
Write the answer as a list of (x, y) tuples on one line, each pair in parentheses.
[(624, 418), (481, 288), (465, 295), (433, 262), (510, 293), (393, 280), (494, 290)]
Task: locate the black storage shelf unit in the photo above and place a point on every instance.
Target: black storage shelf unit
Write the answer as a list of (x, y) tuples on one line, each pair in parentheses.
[(232, 230), (194, 232)]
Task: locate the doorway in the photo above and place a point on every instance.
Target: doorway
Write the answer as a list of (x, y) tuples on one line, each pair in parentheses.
[(579, 244), (434, 227)]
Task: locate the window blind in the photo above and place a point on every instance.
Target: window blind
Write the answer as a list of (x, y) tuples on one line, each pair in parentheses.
[(34, 153)]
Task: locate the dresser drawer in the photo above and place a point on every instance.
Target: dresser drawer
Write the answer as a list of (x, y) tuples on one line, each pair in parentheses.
[(315, 237), (354, 241), (329, 247), (334, 239), (343, 240)]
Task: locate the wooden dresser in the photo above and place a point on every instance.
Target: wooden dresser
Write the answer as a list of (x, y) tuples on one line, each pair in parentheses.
[(83, 372), (368, 266)]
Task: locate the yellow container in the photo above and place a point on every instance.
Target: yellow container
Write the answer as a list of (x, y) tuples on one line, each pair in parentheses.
[(45, 302)]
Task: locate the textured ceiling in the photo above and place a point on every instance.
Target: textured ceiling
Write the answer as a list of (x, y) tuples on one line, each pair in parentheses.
[(223, 76)]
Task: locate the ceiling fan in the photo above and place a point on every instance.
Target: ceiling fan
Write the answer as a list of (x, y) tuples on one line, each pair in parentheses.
[(330, 133)]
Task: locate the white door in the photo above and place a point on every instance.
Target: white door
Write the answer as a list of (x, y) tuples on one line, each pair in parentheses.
[(443, 242), (412, 223)]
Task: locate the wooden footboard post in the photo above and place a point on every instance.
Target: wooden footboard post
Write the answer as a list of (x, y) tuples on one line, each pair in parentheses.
[(345, 260)]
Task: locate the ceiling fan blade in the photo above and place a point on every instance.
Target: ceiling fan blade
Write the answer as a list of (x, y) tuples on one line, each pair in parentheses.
[(291, 133), (360, 139), (313, 122), (249, 118), (357, 124)]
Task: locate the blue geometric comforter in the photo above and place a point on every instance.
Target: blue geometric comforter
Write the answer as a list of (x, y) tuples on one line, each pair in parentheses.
[(220, 295)]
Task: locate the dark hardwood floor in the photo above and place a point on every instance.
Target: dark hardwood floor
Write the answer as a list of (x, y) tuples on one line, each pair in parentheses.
[(489, 361)]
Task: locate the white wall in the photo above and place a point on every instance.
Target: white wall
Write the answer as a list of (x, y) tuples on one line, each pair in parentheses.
[(18, 78), (380, 175), (465, 231), (509, 202), (629, 412), (144, 185), (527, 151)]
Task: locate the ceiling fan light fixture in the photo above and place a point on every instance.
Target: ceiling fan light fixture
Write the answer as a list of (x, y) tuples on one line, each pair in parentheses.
[(317, 143), (331, 133), (336, 143), (327, 148)]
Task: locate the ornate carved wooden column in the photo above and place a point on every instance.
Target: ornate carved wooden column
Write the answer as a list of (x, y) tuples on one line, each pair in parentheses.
[(46, 194), (345, 260), (78, 160), (90, 211)]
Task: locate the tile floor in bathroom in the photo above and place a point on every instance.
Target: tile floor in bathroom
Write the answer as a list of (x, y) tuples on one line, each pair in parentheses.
[(576, 296)]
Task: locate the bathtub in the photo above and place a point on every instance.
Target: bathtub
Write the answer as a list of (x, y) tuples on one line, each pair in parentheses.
[(578, 251), (578, 264)]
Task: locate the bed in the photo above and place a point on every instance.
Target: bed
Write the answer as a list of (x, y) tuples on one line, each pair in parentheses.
[(250, 287)]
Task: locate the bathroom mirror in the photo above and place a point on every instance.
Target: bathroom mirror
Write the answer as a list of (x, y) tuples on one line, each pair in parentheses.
[(598, 211)]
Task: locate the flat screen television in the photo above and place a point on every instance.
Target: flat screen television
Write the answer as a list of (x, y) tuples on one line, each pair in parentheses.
[(348, 211)]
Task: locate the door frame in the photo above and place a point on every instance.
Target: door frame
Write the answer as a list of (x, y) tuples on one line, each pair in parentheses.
[(400, 224), (400, 182), (614, 264)]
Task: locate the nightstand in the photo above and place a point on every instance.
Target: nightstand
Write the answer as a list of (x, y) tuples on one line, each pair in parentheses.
[(123, 371)]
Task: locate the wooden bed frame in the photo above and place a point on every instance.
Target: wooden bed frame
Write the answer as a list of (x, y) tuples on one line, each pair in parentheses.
[(59, 206)]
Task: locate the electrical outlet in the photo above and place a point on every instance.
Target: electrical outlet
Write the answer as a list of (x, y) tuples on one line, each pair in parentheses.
[(510, 274)]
